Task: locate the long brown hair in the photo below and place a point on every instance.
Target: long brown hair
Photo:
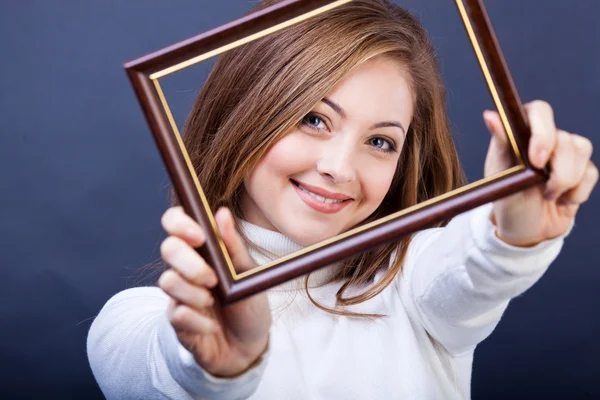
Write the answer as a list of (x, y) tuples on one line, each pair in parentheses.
[(258, 92)]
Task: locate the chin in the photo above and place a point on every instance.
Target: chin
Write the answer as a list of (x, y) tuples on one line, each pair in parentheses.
[(308, 234)]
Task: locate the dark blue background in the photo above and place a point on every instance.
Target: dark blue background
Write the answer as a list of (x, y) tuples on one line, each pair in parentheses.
[(83, 187)]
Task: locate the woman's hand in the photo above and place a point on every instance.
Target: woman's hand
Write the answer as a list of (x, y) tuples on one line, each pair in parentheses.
[(225, 341), (545, 211)]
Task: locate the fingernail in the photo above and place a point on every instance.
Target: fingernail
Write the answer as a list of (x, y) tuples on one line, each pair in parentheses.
[(212, 282), (193, 233), (579, 142), (210, 302), (488, 125)]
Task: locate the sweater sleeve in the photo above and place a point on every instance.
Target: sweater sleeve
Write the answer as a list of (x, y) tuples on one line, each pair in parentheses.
[(134, 353), (459, 279)]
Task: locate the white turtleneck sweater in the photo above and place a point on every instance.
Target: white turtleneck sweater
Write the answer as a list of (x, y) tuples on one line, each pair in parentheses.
[(454, 286)]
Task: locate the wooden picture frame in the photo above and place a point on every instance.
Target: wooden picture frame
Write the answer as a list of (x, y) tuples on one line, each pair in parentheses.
[(145, 72)]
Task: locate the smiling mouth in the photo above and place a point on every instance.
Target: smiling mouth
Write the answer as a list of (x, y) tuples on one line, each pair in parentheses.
[(322, 199)]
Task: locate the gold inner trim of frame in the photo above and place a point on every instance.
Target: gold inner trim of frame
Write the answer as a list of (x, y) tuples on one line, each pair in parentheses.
[(488, 79), (466, 188), (192, 172), (491, 86), (245, 40)]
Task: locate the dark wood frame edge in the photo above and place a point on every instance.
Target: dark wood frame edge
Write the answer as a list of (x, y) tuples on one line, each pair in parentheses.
[(229, 289)]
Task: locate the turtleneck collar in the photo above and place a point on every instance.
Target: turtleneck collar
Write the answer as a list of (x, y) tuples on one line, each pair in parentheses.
[(278, 245)]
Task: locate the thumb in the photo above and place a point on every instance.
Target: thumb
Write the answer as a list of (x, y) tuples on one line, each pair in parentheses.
[(499, 156), (238, 251), (494, 124)]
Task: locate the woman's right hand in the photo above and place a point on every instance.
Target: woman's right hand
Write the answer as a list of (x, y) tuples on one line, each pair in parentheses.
[(225, 341)]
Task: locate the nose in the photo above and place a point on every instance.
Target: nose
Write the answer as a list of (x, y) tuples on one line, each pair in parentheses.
[(335, 163)]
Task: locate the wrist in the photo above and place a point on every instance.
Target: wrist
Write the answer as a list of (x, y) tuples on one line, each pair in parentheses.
[(241, 363), (516, 242), (253, 362), (509, 239)]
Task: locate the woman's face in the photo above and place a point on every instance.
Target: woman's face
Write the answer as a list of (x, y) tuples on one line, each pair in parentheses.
[(334, 169)]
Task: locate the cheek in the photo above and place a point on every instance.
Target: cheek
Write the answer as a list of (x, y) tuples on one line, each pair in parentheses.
[(287, 157), (377, 181)]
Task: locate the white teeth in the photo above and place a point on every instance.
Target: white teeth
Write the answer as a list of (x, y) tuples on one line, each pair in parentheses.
[(320, 198)]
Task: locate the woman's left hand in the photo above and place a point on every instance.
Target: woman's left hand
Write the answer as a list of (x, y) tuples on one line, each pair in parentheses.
[(547, 210)]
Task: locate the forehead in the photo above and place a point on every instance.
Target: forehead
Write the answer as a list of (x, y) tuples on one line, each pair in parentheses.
[(377, 88)]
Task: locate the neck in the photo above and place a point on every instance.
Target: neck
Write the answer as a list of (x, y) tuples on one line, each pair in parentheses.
[(273, 245)]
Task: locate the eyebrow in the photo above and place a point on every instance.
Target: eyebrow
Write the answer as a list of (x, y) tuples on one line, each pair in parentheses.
[(342, 113)]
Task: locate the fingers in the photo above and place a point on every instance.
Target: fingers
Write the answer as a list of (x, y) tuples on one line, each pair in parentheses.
[(178, 288), (188, 281), (185, 318), (177, 223), (187, 262), (583, 152), (543, 132), (569, 163), (500, 155), (581, 193), (236, 246), (494, 124), (562, 176), (573, 176)]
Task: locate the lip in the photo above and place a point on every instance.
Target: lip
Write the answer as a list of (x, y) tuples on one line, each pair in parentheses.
[(322, 192), (319, 206)]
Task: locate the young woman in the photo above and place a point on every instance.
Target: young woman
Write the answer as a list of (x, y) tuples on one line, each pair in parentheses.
[(298, 137)]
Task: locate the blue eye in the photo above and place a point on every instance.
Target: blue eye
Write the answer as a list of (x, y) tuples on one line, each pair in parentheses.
[(379, 142), (312, 121), (382, 144)]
